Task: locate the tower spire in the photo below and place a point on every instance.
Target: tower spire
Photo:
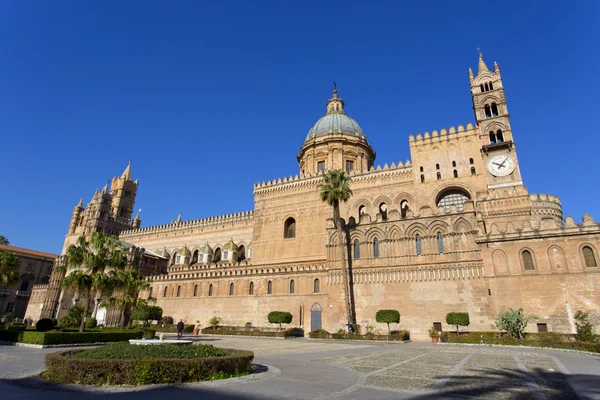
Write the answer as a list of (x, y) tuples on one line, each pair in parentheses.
[(127, 173), (335, 105), (482, 67), (80, 204)]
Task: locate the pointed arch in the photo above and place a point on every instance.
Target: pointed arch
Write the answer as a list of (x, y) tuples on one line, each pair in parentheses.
[(462, 225), (395, 232), (375, 232), (416, 228), (438, 226)]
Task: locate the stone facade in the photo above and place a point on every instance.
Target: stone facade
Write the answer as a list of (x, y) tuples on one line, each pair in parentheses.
[(34, 269), (455, 229)]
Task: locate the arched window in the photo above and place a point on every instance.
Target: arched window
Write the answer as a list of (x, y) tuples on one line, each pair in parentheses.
[(527, 260), (454, 163), (471, 161), (403, 208), (491, 86), (195, 290), (481, 87), (492, 138), (178, 291), (289, 229), (440, 242), (439, 176), (488, 112), (422, 178), (165, 292), (150, 291), (217, 255), (361, 211), (499, 136), (356, 249), (456, 197), (231, 289), (251, 288), (494, 110), (270, 287), (455, 173), (292, 286), (376, 248), (418, 244), (421, 169), (383, 211), (316, 286), (588, 257), (210, 290), (437, 166), (472, 170)]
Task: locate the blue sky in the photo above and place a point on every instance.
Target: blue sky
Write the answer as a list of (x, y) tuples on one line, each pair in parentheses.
[(207, 98)]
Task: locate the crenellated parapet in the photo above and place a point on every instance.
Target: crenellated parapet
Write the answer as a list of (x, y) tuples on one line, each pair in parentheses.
[(546, 205), (313, 180), (241, 218), (539, 228), (442, 135)]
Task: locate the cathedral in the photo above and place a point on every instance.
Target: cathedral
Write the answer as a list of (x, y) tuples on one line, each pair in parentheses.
[(454, 229)]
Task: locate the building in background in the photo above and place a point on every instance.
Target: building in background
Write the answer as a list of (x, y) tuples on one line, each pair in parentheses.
[(35, 268)]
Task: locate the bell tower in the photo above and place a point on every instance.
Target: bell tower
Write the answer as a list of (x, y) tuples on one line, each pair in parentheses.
[(493, 120), (123, 191)]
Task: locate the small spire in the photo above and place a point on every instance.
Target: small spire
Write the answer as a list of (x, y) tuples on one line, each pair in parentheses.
[(137, 215), (482, 67), (80, 204), (471, 77), (178, 218), (105, 188), (335, 105), (127, 173)]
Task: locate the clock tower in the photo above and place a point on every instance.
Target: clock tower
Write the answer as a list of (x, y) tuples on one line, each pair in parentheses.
[(497, 146)]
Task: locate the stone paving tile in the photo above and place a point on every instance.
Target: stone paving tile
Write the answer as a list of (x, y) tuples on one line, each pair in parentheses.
[(401, 382), (474, 386), (548, 376)]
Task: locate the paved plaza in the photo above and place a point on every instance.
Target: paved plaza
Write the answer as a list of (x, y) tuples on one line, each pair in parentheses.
[(317, 369)]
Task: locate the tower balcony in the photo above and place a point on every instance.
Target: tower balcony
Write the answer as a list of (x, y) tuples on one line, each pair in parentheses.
[(23, 293)]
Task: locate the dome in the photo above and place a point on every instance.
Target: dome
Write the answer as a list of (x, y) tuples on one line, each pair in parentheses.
[(206, 249), (184, 252), (335, 123), (230, 246)]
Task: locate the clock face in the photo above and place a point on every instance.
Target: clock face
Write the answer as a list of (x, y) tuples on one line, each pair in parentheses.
[(501, 165)]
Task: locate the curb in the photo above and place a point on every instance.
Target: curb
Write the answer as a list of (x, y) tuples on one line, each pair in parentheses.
[(522, 347), (50, 346)]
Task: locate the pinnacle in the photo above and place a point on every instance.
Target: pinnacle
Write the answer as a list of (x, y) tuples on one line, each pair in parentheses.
[(482, 67), (127, 173), (80, 204)]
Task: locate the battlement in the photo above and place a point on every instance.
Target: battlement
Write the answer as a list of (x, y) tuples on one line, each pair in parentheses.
[(544, 227), (545, 198), (427, 138), (243, 216), (306, 179)]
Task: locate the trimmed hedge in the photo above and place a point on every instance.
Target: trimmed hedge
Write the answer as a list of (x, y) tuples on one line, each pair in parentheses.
[(393, 336), (547, 339), (63, 367), (173, 328), (238, 331), (56, 337)]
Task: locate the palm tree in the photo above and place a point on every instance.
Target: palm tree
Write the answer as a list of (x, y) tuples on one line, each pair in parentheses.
[(336, 189), (130, 283), (97, 259), (9, 271), (4, 240)]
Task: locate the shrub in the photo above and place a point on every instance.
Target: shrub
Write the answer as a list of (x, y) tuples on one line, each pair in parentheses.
[(73, 317), (388, 317), (513, 322), (147, 313), (166, 320), (126, 351), (279, 317), (242, 331), (56, 337), (7, 317), (319, 334), (91, 323), (214, 321), (187, 328), (458, 319), (585, 329), (148, 334), (65, 367), (433, 333), (44, 325)]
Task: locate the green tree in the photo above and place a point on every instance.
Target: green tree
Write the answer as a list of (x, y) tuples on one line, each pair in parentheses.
[(585, 329), (9, 271), (513, 322), (129, 283), (146, 313), (388, 317), (335, 190), (91, 267), (4, 240), (458, 319), (279, 317)]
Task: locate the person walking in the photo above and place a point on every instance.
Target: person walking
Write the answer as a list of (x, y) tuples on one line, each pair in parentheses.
[(180, 329)]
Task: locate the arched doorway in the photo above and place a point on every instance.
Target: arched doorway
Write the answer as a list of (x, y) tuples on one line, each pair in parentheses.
[(316, 315)]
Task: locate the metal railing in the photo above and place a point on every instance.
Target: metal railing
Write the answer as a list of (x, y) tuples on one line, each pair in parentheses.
[(4, 292), (23, 293)]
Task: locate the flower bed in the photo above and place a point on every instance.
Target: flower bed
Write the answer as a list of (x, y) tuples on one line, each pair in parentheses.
[(394, 336), (125, 364), (57, 337), (548, 339), (242, 331)]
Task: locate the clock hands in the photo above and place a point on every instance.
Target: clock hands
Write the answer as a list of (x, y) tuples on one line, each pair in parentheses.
[(500, 165)]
